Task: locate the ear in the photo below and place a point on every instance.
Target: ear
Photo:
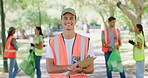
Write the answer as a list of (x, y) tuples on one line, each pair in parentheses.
[(75, 21)]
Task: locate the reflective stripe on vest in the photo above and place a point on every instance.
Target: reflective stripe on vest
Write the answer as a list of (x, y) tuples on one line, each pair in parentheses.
[(107, 38), (56, 48), (38, 52), (138, 51), (10, 51), (139, 54), (80, 48)]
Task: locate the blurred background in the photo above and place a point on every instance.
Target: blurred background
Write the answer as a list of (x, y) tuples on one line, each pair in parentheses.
[(92, 17)]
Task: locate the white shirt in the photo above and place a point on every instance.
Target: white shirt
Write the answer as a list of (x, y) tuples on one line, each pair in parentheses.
[(69, 44)]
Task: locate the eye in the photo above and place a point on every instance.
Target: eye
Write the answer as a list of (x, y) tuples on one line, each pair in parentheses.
[(71, 18), (65, 18)]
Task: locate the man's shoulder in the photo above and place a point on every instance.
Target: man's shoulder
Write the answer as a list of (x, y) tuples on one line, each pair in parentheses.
[(83, 36)]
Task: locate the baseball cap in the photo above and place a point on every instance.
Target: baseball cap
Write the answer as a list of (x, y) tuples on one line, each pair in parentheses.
[(68, 10), (11, 29)]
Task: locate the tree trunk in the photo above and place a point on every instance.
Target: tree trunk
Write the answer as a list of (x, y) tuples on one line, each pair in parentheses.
[(5, 63), (111, 11), (134, 16), (111, 7), (105, 23), (101, 14), (22, 36), (40, 18)]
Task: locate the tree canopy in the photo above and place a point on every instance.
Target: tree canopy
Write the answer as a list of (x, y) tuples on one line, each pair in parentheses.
[(30, 13)]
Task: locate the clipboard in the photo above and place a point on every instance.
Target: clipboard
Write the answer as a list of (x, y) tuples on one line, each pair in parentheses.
[(83, 64)]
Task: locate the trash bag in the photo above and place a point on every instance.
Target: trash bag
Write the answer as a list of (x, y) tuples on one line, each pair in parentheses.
[(28, 65), (114, 62)]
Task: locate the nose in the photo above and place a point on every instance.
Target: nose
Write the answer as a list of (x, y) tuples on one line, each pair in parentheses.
[(68, 21)]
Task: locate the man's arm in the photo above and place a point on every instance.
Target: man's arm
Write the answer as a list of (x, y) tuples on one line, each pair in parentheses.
[(119, 40), (106, 45), (103, 41), (51, 68)]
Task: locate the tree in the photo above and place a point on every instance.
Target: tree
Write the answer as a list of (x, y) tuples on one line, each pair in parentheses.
[(134, 14), (104, 8), (3, 36), (29, 14)]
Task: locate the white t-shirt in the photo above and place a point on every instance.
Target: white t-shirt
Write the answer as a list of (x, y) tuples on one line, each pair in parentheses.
[(69, 44)]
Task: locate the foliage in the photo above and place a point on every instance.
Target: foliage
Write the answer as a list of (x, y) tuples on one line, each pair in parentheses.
[(27, 13)]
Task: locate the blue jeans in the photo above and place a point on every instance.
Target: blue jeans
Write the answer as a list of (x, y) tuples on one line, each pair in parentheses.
[(37, 65), (109, 73), (140, 69), (13, 68)]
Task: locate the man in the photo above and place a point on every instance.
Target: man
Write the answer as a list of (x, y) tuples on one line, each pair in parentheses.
[(110, 40), (66, 50)]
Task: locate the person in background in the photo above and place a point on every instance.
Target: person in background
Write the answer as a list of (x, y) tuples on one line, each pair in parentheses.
[(10, 52), (110, 40), (138, 50), (38, 49)]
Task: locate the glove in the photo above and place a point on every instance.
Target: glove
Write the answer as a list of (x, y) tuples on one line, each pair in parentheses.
[(32, 45), (44, 45), (30, 50), (131, 42)]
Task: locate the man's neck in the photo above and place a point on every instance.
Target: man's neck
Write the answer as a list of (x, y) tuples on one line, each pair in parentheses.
[(69, 34), (111, 27)]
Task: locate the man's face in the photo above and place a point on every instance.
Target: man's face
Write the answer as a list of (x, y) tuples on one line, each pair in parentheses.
[(68, 21), (112, 23)]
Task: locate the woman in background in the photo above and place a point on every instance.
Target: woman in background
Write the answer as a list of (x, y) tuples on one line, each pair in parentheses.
[(10, 52), (38, 49), (138, 51)]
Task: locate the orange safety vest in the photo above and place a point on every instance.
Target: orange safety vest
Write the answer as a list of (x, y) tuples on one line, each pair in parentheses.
[(10, 51), (107, 39), (80, 48)]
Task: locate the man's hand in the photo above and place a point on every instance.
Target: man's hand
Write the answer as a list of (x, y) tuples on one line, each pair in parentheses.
[(117, 47), (74, 67), (131, 42), (112, 47)]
